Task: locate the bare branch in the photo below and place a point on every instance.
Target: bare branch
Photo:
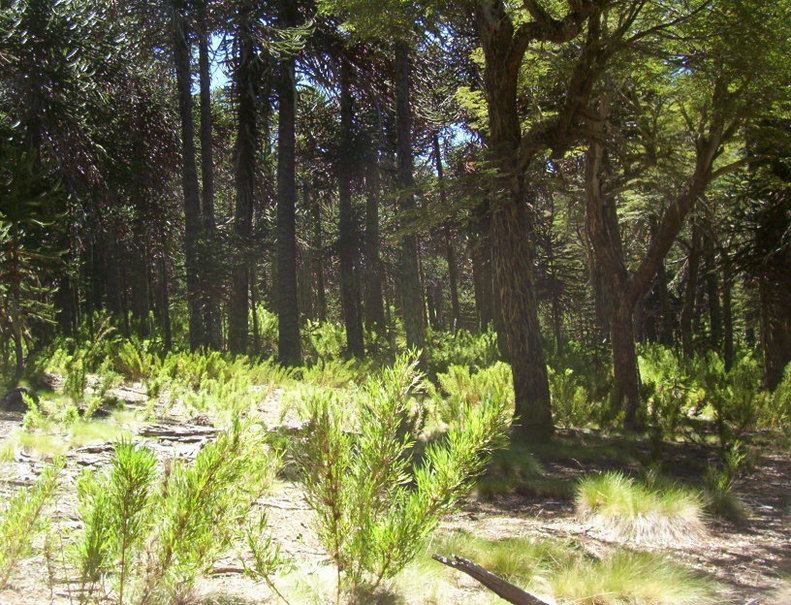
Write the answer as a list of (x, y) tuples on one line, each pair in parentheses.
[(504, 590)]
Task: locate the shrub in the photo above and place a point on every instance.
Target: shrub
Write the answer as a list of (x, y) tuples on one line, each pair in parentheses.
[(22, 520), (633, 510), (461, 348), (461, 387), (152, 536), (571, 403), (374, 504)]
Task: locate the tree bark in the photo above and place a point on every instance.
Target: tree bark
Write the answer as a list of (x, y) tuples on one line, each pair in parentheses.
[(189, 178), (411, 291), (374, 300), (713, 293), (450, 252), (481, 253), (211, 306), (289, 351), (348, 241), (690, 292), (246, 145), (504, 590), (512, 236), (727, 309)]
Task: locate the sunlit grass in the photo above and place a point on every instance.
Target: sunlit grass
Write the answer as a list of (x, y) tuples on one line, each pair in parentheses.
[(634, 510), (523, 561), (628, 578)]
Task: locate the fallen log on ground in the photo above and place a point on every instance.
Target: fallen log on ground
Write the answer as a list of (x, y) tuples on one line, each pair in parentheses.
[(504, 590)]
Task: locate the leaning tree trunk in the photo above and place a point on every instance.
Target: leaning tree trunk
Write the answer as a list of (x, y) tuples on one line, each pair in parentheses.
[(189, 179), (411, 291), (348, 241), (289, 351)]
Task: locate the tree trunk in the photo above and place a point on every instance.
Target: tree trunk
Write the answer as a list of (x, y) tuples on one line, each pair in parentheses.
[(727, 309), (348, 240), (211, 306), (411, 291), (512, 235), (374, 301), (713, 293), (246, 146), (690, 292), (450, 253), (481, 253), (318, 265), (289, 351), (189, 179)]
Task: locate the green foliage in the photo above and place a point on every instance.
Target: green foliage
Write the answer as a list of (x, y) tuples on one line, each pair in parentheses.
[(461, 387), (560, 569), (461, 348), (153, 536), (572, 405), (521, 561), (375, 504), (630, 578), (640, 511), (22, 520)]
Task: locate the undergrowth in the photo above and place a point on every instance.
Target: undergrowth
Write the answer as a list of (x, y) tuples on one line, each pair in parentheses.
[(639, 511)]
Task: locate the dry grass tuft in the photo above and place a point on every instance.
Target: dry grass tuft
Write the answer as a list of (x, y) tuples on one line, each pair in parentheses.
[(628, 510)]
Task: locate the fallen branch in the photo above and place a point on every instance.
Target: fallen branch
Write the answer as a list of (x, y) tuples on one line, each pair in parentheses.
[(505, 590)]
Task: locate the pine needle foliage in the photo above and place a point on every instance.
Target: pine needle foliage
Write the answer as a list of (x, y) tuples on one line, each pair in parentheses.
[(22, 520), (375, 503), (149, 535)]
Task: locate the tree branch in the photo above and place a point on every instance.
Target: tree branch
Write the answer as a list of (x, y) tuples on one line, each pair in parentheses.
[(504, 590)]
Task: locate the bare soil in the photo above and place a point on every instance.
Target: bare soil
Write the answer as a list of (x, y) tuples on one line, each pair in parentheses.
[(749, 561)]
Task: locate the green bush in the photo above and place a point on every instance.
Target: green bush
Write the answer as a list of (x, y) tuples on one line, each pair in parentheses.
[(572, 405), (22, 520), (461, 387), (150, 535), (375, 503)]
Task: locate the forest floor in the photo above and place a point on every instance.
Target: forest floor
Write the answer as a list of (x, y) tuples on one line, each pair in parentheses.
[(748, 561)]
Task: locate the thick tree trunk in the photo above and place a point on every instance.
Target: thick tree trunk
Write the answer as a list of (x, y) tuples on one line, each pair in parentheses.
[(289, 351), (211, 306), (374, 300), (246, 146), (411, 291), (164, 292), (348, 241), (605, 238), (512, 236), (189, 179)]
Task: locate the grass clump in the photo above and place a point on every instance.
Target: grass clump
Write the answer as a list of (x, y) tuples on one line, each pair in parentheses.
[(521, 561), (637, 511), (22, 520), (629, 578)]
